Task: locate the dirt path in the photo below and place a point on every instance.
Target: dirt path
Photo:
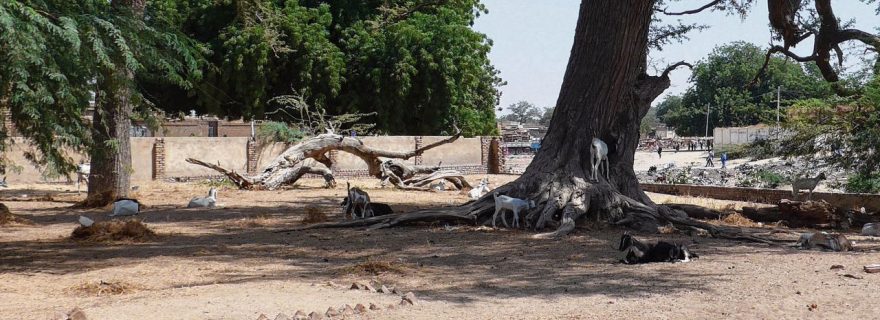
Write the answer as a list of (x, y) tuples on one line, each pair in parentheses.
[(227, 263)]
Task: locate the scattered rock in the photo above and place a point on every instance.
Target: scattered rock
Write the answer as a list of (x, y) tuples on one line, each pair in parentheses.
[(282, 316), (347, 310), (384, 289), (369, 288), (411, 298), (355, 286), (359, 308), (77, 314), (373, 306), (853, 276), (316, 316), (59, 316), (812, 307), (395, 291), (262, 317), (837, 267), (331, 312), (300, 315), (389, 307), (331, 284), (872, 268), (404, 303)]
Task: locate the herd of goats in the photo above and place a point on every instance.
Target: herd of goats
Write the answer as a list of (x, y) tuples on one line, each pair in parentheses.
[(358, 205)]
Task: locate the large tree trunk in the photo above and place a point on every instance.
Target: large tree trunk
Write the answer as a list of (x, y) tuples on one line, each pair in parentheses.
[(110, 174)]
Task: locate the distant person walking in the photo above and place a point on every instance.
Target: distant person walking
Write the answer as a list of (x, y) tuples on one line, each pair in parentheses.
[(723, 160), (701, 144), (660, 151), (709, 159)]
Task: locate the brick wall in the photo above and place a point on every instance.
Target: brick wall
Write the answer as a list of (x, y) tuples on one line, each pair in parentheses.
[(159, 159), (770, 196)]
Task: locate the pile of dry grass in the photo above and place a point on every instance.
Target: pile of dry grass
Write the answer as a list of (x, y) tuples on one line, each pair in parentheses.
[(314, 215), (104, 288), (377, 267), (739, 220), (7, 218), (114, 230)]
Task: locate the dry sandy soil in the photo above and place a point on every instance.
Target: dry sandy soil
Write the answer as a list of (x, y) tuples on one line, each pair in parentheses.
[(229, 263)]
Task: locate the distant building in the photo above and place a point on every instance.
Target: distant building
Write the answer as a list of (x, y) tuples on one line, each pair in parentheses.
[(521, 138)]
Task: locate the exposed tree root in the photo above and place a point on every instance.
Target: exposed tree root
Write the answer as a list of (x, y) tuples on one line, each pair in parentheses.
[(578, 200)]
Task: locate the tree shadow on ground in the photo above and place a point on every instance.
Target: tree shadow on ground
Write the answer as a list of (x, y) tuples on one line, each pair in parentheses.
[(462, 263)]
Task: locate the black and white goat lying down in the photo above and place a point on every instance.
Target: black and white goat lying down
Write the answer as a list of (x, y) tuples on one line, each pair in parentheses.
[(662, 251)]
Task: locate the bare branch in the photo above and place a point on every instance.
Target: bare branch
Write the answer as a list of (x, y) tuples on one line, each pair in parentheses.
[(669, 69), (693, 11)]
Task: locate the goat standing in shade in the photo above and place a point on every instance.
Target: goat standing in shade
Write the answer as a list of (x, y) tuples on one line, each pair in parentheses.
[(82, 174), (806, 184), (598, 154), (204, 202), (356, 199), (509, 203)]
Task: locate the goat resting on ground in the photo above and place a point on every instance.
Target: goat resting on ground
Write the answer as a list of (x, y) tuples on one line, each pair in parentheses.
[(481, 189), (824, 241), (662, 251), (204, 202), (509, 203)]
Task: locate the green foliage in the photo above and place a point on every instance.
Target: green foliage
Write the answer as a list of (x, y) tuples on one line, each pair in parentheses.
[(770, 179), (722, 80), (54, 54), (844, 131), (419, 65), (523, 112), (649, 122), (546, 116), (863, 183), (272, 131)]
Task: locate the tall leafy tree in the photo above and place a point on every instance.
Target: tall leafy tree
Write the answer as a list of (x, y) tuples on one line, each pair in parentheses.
[(523, 112), (725, 82), (418, 64), (60, 53)]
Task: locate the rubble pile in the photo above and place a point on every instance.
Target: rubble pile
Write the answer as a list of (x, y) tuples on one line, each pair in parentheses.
[(773, 173)]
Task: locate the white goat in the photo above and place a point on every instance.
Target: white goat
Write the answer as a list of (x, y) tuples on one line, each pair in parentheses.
[(482, 188), (439, 186), (204, 202), (82, 174), (509, 203), (357, 198), (806, 184), (598, 154)]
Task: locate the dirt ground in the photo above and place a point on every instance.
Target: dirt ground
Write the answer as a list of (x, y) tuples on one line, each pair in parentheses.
[(229, 263)]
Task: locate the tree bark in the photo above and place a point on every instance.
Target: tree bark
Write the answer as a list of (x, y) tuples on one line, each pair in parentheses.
[(110, 174)]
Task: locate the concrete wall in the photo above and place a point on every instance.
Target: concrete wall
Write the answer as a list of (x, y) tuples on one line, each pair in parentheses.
[(465, 154), (22, 171), (464, 151), (871, 202), (142, 158), (231, 152), (740, 135)]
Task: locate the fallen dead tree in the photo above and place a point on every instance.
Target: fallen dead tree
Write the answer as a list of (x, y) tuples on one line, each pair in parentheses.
[(312, 156), (810, 214)]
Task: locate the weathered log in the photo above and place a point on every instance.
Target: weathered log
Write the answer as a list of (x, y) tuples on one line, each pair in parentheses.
[(292, 164), (698, 212), (765, 215)]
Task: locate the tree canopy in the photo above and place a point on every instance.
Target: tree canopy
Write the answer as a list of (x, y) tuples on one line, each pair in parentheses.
[(419, 65), (724, 82)]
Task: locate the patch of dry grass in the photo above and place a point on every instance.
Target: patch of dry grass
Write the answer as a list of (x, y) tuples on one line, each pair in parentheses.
[(254, 221), (314, 215), (7, 218), (377, 267), (114, 230), (104, 288)]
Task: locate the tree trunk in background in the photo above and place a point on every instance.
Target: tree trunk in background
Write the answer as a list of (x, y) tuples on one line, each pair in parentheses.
[(110, 175)]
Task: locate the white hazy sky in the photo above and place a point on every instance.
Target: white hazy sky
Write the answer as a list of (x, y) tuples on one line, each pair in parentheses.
[(532, 40)]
